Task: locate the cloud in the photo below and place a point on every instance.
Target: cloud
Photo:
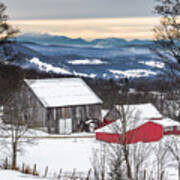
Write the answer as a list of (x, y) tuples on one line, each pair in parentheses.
[(128, 28), (57, 9)]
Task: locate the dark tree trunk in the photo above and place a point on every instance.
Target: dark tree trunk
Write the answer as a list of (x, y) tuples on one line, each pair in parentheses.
[(126, 155), (178, 170), (14, 155)]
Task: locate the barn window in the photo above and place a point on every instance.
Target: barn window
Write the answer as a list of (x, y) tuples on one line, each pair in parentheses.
[(168, 129)]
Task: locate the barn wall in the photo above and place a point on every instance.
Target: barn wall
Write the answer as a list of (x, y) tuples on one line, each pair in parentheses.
[(78, 114), (30, 108), (37, 111), (148, 132)]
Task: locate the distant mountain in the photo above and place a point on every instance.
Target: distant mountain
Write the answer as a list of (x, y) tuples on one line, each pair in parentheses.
[(79, 42), (130, 61), (50, 39)]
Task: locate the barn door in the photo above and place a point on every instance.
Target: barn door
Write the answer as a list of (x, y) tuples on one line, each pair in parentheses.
[(65, 126)]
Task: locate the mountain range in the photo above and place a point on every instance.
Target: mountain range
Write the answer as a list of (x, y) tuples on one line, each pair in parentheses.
[(63, 40), (100, 58)]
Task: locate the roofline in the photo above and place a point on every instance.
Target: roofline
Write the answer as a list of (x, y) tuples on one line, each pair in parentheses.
[(51, 107), (53, 78)]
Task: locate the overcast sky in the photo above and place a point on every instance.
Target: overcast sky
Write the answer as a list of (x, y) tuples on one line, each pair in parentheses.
[(84, 18), (55, 9)]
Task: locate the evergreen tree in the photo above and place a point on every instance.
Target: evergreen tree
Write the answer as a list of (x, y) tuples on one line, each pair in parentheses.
[(6, 30)]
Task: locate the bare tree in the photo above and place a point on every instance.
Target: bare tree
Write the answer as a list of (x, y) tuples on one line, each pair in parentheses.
[(174, 148), (16, 124), (99, 162), (133, 155), (167, 34), (125, 160), (167, 39)]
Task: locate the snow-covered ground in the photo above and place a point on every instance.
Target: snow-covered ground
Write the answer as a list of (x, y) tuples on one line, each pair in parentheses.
[(75, 153), (155, 64), (133, 73), (14, 175), (87, 61), (61, 153), (35, 62)]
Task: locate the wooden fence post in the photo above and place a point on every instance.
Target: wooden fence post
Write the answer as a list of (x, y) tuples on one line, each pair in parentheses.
[(6, 165), (23, 168), (60, 173), (34, 170), (73, 174), (162, 175), (45, 172), (144, 175), (88, 175)]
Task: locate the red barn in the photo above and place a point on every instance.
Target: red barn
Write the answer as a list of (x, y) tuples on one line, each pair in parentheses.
[(143, 124)]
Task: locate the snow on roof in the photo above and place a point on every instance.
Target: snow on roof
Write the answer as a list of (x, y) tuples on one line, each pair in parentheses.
[(135, 116), (143, 111), (167, 122), (104, 112), (116, 127), (63, 92)]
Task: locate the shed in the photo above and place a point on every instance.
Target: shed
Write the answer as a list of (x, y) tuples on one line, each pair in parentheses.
[(61, 105), (138, 126), (145, 111), (146, 131)]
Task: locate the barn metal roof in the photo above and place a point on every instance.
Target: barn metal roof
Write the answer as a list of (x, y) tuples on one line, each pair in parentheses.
[(63, 92)]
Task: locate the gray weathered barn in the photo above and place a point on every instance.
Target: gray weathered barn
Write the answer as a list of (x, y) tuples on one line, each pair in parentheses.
[(60, 105)]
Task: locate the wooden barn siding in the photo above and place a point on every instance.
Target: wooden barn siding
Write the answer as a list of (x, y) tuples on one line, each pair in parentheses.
[(78, 114), (37, 113)]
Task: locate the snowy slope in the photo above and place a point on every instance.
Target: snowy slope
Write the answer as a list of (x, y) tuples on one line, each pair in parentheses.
[(126, 61)]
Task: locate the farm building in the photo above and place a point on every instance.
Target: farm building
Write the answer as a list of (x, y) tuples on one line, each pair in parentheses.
[(59, 105), (137, 123), (146, 111)]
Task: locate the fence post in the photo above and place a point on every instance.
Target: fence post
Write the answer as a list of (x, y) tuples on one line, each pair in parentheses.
[(144, 175), (23, 168), (46, 172), (88, 175), (73, 174), (60, 173), (162, 175), (34, 170), (6, 163)]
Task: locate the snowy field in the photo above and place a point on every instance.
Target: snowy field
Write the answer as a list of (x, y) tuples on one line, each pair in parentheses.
[(14, 175), (65, 154), (57, 154), (73, 153)]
